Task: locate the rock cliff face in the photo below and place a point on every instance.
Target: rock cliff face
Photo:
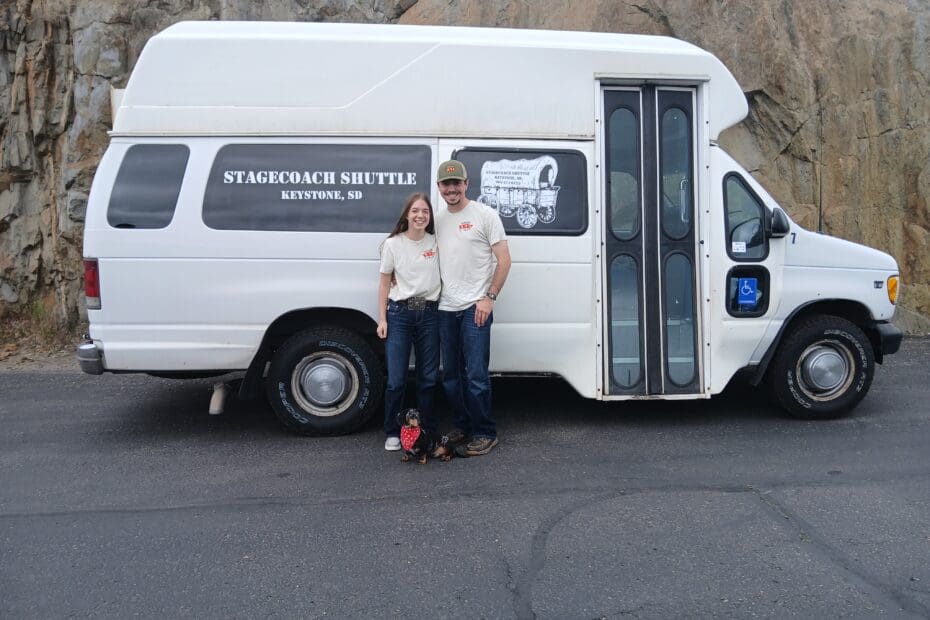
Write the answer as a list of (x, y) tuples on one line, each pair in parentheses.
[(838, 129)]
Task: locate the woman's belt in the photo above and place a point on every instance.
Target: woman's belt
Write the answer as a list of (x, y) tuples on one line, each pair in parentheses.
[(417, 303)]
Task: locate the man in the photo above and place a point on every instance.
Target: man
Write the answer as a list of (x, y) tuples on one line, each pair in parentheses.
[(473, 261)]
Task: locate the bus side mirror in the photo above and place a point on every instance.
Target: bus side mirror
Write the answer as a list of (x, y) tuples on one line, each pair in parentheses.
[(780, 226)]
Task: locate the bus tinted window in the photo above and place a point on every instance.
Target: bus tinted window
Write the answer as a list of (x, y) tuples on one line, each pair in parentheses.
[(147, 186)]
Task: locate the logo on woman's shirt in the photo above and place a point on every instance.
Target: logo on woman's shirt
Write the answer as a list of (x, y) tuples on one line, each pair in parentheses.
[(465, 226), (429, 254)]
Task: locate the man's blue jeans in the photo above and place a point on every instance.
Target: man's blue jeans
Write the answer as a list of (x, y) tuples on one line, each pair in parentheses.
[(466, 353), (419, 329)]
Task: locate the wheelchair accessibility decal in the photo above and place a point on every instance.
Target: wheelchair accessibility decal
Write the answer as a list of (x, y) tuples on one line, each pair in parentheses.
[(746, 293), (521, 188)]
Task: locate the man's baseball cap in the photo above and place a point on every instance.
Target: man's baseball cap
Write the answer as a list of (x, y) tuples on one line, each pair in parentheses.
[(451, 170)]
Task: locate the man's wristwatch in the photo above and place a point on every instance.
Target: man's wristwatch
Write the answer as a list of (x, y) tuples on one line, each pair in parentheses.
[(491, 296)]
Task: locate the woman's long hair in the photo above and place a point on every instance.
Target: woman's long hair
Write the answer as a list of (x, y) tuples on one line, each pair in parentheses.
[(402, 223)]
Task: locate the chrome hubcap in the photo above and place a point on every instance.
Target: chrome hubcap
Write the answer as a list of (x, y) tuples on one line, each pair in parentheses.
[(825, 370), (324, 384)]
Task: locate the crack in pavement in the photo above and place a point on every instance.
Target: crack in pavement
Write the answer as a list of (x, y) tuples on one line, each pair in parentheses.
[(523, 590), (875, 585), (881, 590)]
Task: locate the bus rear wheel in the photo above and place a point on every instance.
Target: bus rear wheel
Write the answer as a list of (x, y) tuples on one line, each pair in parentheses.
[(324, 381), (823, 369)]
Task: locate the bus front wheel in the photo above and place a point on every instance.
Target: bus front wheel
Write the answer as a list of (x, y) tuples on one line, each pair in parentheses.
[(823, 368)]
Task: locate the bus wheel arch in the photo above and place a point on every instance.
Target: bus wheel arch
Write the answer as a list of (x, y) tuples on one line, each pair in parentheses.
[(298, 320)]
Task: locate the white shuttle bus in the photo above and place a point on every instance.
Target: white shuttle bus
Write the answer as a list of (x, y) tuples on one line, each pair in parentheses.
[(254, 169)]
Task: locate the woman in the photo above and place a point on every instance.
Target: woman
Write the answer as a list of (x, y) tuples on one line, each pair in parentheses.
[(408, 313)]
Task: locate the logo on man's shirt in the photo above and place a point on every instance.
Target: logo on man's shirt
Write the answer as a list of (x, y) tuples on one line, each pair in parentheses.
[(429, 254), (465, 226)]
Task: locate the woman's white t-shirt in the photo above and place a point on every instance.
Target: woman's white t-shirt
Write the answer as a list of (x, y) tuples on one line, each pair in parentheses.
[(415, 265)]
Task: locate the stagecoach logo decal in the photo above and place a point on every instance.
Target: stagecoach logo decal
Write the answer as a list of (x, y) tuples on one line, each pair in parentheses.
[(524, 188)]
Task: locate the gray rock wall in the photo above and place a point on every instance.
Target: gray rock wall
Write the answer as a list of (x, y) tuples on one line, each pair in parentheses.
[(837, 131)]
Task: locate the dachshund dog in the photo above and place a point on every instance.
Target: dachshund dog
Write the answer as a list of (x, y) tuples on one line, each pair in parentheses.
[(444, 450), (419, 443)]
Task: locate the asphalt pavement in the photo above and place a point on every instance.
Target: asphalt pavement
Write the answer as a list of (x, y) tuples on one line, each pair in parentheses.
[(120, 496)]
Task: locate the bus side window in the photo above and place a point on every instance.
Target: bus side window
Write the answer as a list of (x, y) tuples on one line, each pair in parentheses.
[(746, 239)]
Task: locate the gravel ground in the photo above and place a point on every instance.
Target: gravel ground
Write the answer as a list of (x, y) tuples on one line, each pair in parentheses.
[(35, 359)]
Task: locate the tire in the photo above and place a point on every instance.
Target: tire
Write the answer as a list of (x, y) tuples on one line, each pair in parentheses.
[(823, 369), (324, 381)]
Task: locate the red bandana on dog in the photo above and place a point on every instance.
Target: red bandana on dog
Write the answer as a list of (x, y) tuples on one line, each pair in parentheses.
[(409, 436)]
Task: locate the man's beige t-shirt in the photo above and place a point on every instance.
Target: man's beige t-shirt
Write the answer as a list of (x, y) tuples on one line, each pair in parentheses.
[(415, 265), (467, 263)]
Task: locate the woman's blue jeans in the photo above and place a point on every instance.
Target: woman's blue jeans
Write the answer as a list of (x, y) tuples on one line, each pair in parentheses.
[(418, 329), (466, 354)]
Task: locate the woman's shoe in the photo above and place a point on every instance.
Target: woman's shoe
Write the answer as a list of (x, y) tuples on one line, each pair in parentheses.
[(392, 444)]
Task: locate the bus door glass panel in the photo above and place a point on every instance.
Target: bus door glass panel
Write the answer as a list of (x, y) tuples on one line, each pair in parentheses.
[(624, 244), (676, 182)]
